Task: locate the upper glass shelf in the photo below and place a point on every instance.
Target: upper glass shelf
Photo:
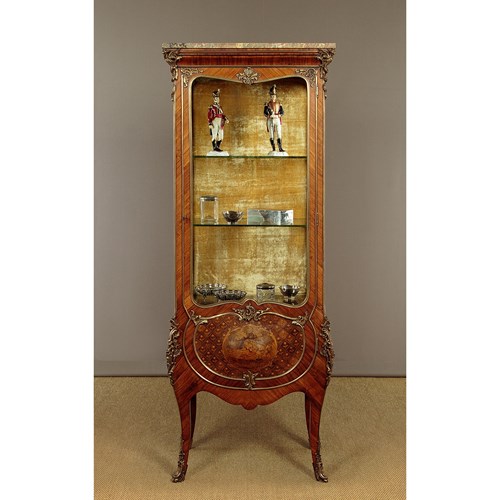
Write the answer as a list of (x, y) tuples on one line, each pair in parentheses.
[(250, 156)]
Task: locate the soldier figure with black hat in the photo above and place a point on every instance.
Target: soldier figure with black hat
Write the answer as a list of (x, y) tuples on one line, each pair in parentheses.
[(273, 110)]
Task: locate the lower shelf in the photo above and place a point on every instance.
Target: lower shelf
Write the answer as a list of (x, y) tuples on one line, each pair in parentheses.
[(278, 299)]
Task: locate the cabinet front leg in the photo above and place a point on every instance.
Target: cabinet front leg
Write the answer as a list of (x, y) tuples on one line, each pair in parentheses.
[(313, 415), (186, 430)]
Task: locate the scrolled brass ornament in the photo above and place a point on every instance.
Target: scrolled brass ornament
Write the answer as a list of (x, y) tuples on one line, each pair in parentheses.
[(327, 349), (249, 379), (301, 320), (197, 319), (173, 349), (250, 313), (172, 56), (326, 57), (187, 73), (248, 76), (309, 73)]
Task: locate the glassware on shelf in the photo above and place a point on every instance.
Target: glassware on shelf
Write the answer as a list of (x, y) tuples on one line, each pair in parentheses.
[(289, 292), (209, 289), (270, 217), (230, 294), (257, 216), (265, 292), (209, 208), (232, 216)]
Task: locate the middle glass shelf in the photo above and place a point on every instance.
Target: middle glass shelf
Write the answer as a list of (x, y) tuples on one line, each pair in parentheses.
[(297, 224)]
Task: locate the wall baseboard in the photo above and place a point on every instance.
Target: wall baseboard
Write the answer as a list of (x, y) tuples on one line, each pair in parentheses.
[(129, 368)]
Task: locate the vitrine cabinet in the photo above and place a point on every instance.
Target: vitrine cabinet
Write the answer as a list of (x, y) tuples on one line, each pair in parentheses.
[(249, 323)]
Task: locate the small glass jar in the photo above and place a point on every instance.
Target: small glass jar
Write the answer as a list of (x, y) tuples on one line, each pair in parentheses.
[(209, 208), (265, 292)]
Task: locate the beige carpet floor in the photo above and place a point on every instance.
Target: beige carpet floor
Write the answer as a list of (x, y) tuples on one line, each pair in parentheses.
[(260, 454)]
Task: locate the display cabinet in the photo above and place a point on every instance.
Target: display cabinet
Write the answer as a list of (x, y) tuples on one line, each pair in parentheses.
[(249, 323)]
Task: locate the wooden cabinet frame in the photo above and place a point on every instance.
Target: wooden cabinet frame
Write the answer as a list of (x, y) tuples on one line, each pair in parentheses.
[(309, 366)]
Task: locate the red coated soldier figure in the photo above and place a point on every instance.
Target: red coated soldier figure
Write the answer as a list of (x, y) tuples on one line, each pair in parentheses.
[(216, 121)]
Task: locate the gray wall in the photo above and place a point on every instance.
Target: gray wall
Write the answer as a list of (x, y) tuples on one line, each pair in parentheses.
[(365, 170)]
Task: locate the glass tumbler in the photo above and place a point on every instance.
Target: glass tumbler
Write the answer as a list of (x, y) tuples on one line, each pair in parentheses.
[(265, 292), (209, 207)]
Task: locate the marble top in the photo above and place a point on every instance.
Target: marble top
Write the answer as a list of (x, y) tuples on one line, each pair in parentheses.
[(246, 45)]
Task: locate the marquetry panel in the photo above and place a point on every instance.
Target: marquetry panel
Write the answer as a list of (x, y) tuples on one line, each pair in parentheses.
[(231, 346)]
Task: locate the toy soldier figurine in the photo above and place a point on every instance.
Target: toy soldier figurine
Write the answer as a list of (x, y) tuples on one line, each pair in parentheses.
[(216, 121), (274, 111)]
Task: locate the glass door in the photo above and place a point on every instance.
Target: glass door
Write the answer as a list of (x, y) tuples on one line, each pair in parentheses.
[(249, 191)]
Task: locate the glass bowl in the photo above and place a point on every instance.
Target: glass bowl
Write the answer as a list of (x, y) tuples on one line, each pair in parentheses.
[(230, 294), (289, 292), (232, 216), (208, 289)]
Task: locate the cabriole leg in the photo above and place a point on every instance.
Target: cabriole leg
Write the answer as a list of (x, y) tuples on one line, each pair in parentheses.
[(313, 415), (187, 428)]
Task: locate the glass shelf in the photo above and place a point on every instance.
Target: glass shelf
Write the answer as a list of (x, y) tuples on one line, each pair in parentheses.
[(211, 300), (251, 156), (225, 224)]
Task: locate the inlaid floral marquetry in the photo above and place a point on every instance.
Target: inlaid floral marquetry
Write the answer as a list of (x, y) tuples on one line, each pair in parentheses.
[(265, 343)]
